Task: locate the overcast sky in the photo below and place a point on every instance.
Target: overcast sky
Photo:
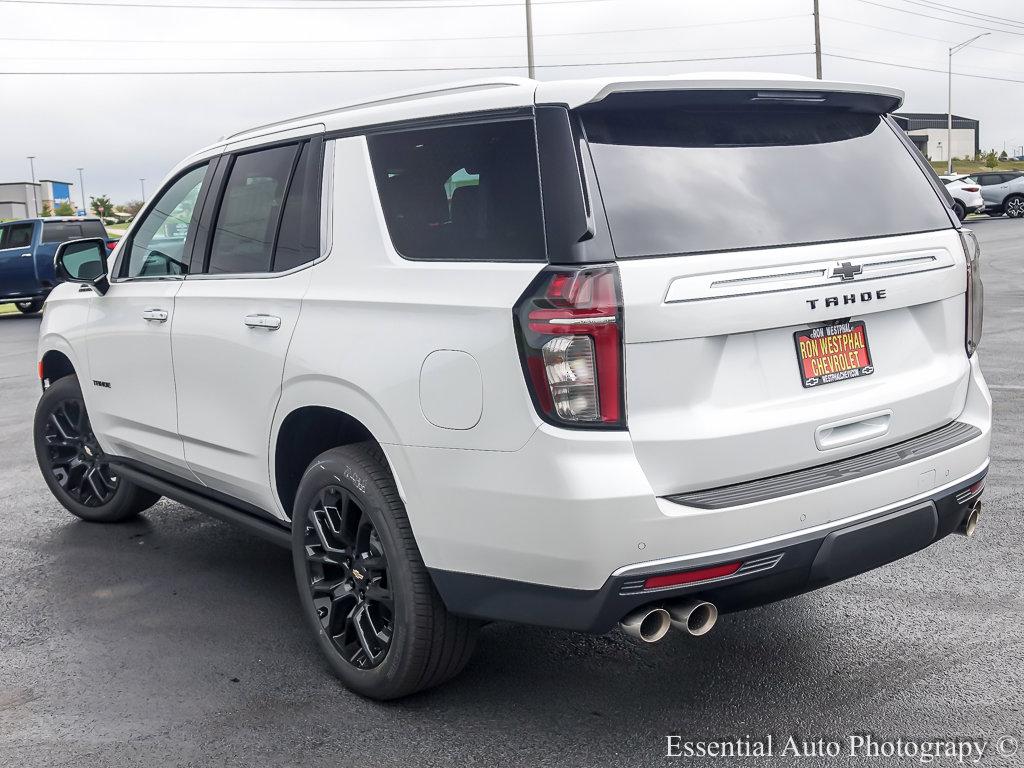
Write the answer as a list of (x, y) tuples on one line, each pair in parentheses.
[(95, 110)]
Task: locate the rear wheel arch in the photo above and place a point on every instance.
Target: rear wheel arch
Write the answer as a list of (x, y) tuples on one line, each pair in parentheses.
[(305, 433)]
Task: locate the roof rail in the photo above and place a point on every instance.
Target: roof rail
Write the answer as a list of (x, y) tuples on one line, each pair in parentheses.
[(393, 98)]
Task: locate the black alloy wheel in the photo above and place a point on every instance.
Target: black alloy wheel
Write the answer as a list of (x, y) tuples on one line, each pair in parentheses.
[(73, 465), (76, 460), (365, 592), (347, 575)]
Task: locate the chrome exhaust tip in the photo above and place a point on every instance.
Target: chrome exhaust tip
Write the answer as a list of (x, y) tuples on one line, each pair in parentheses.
[(649, 624), (697, 617), (970, 523)]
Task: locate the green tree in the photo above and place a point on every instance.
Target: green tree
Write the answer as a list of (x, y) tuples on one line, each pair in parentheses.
[(1002, 155), (101, 205), (47, 210), (65, 208), (132, 206), (991, 161)]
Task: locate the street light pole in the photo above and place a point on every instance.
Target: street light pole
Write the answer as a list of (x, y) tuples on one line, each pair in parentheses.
[(35, 198), (531, 73), (81, 185), (142, 185), (817, 40), (949, 113)]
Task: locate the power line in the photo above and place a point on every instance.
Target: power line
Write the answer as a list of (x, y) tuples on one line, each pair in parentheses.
[(517, 56), (939, 18), (582, 33), (954, 11), (406, 69), (846, 49), (945, 41), (923, 69), (208, 7)]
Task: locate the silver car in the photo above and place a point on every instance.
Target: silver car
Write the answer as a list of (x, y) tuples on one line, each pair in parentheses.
[(1003, 192)]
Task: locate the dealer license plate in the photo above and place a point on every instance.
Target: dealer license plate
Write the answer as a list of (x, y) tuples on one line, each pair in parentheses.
[(832, 353)]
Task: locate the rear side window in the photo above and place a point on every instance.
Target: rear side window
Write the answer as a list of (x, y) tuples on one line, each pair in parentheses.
[(16, 236), (62, 231), (250, 211), (291, 251), (701, 178), (461, 193)]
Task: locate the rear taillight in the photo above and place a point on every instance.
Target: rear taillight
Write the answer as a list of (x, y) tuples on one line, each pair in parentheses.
[(569, 327), (975, 290), (972, 189)]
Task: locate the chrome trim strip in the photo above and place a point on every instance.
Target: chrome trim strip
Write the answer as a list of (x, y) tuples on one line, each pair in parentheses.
[(605, 320), (744, 282), (796, 537)]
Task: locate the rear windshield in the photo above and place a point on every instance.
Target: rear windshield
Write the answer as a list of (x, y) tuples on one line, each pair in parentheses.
[(695, 179), (62, 231)]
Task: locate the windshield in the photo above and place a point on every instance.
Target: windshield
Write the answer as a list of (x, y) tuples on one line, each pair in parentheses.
[(693, 179)]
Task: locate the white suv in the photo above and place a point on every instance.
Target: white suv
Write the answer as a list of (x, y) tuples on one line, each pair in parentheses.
[(488, 352)]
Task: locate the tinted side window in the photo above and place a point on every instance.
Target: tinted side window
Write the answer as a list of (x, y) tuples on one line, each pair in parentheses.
[(17, 236), (62, 231), (461, 193), (243, 235), (158, 244), (291, 250)]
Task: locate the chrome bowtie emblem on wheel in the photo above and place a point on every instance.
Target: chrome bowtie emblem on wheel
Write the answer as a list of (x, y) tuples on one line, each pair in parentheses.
[(358, 575), (846, 271)]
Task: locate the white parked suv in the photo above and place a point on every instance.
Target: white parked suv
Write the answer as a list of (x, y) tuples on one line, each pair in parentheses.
[(486, 352)]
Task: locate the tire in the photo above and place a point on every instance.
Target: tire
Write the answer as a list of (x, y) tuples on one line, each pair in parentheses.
[(959, 210), (1014, 206), (29, 307), (364, 589), (72, 462)]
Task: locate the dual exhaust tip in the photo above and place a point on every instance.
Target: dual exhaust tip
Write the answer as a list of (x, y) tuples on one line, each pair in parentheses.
[(970, 523), (651, 622)]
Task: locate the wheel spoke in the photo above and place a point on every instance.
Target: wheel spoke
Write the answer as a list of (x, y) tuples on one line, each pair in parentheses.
[(360, 616), (96, 483), (377, 593)]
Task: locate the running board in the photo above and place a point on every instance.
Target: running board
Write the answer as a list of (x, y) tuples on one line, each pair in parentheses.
[(265, 529)]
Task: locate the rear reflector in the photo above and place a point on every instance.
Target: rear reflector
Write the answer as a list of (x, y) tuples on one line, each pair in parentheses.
[(690, 577)]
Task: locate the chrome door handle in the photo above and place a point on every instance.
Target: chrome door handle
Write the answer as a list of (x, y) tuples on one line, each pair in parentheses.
[(268, 322), (155, 315), (26, 255)]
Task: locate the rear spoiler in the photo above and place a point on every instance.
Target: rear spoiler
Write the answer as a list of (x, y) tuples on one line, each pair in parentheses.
[(724, 90)]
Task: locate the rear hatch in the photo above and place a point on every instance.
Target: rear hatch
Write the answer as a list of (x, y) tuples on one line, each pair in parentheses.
[(792, 282)]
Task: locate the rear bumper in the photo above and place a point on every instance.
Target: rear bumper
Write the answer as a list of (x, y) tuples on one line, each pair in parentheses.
[(770, 571)]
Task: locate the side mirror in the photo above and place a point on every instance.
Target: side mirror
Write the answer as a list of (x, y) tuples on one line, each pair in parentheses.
[(83, 261)]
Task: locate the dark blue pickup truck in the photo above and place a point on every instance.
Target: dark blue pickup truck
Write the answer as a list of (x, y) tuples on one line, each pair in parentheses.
[(26, 255)]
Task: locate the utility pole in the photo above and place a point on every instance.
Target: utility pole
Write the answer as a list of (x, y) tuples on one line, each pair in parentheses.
[(817, 40), (35, 197), (142, 185), (531, 73), (949, 113), (81, 185)]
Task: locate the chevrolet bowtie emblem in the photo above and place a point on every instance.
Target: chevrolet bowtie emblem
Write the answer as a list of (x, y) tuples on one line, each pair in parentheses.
[(847, 271)]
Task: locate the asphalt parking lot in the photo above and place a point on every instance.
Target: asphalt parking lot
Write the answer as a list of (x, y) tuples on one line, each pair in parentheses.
[(177, 640)]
